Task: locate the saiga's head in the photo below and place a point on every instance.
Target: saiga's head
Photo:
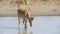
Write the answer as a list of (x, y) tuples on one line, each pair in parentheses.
[(30, 20)]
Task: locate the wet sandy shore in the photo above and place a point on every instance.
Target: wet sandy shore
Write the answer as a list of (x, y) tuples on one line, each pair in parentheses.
[(37, 8)]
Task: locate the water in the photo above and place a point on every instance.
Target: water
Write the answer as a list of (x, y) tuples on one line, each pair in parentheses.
[(41, 25)]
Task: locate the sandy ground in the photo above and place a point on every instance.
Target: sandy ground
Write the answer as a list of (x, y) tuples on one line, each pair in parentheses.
[(37, 8), (41, 25)]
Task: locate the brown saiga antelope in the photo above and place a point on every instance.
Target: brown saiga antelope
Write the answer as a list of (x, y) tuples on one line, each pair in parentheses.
[(24, 13)]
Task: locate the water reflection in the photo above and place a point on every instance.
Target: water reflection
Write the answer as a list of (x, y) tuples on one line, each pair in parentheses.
[(25, 31)]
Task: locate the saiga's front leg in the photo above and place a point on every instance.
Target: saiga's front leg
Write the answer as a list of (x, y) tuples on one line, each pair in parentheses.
[(25, 22)]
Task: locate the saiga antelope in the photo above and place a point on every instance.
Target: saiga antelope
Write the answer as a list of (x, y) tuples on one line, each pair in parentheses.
[(25, 14)]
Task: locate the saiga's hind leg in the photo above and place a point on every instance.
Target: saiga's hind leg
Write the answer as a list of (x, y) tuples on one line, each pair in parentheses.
[(18, 21)]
